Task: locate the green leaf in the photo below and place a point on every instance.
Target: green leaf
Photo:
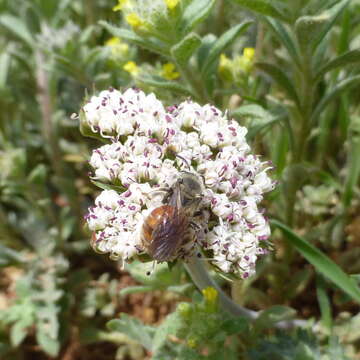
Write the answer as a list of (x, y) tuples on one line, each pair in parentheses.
[(149, 44), (321, 262), (104, 186), (17, 27), (324, 303), (220, 44), (252, 111), (262, 118), (272, 315), (172, 324), (202, 54), (50, 345), (196, 12), (337, 90), (9, 256), (135, 289), (311, 30), (4, 68), (349, 57), (18, 333), (353, 168), (273, 8), (280, 78), (162, 83), (160, 277), (285, 37), (235, 325), (183, 50), (134, 329)]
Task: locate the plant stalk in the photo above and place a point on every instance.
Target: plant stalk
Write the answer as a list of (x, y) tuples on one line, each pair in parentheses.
[(202, 280)]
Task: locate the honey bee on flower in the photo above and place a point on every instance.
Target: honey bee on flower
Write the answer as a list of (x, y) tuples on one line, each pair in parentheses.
[(150, 151)]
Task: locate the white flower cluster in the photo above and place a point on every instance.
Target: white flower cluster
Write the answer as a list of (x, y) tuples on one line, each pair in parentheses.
[(150, 147)]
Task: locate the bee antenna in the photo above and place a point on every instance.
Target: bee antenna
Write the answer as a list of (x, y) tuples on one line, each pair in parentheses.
[(183, 160)]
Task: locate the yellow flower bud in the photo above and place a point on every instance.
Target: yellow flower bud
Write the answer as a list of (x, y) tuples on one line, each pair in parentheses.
[(131, 68), (224, 62), (133, 20), (210, 295), (118, 48), (120, 5), (168, 71), (249, 53), (171, 4)]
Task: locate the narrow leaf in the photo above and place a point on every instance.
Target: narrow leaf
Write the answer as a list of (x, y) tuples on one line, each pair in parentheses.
[(220, 44), (353, 168), (311, 30), (152, 45), (9, 257), (108, 186), (253, 111), (261, 118), (4, 68), (324, 303), (202, 54), (17, 27), (196, 12), (285, 37), (273, 8), (337, 90), (349, 57), (183, 50), (321, 262), (273, 315), (332, 14), (135, 289), (162, 83), (280, 78)]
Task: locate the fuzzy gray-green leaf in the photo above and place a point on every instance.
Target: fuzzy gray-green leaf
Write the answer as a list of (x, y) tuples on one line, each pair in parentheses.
[(273, 8), (196, 12), (183, 50), (162, 83)]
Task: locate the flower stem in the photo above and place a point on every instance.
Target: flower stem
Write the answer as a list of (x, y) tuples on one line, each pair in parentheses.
[(202, 280)]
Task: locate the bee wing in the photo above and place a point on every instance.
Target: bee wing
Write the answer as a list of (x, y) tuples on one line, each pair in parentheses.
[(169, 235)]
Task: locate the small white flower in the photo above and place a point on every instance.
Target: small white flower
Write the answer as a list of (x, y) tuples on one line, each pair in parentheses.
[(150, 147)]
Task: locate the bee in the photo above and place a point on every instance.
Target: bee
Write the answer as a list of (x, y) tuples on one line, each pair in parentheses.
[(169, 227)]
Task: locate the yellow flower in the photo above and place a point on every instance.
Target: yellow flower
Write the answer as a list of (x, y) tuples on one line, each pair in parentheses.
[(210, 295), (245, 62), (168, 71), (133, 20), (171, 4), (120, 5), (118, 48), (192, 343), (249, 53), (224, 63), (131, 68)]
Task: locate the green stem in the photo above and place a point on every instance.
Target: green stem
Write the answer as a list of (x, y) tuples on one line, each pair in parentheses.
[(202, 280), (191, 79), (305, 110)]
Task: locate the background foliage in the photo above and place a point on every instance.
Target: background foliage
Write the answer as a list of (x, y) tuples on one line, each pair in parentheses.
[(288, 70)]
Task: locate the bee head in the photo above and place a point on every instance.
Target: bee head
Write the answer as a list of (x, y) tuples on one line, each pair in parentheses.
[(191, 189)]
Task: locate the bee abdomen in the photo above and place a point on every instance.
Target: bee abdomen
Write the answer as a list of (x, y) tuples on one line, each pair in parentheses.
[(153, 220)]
